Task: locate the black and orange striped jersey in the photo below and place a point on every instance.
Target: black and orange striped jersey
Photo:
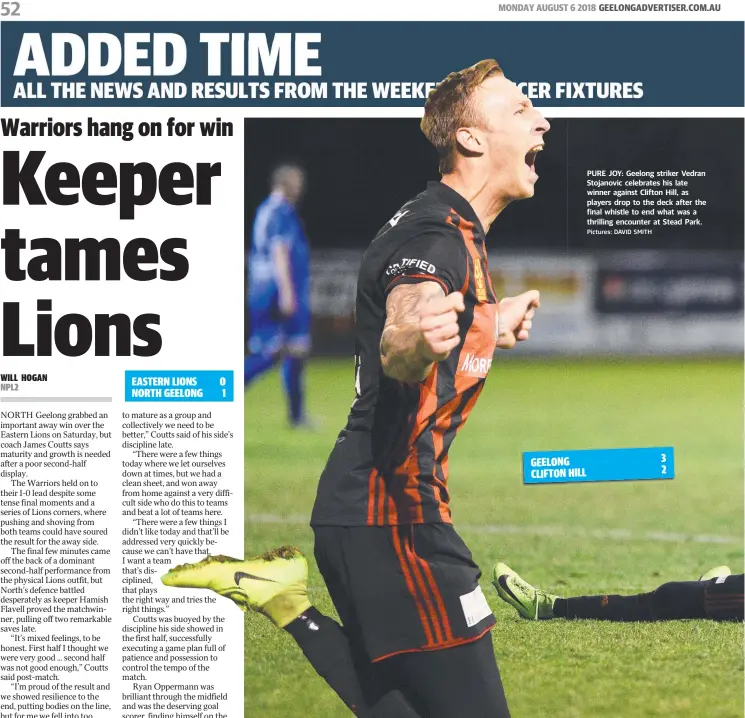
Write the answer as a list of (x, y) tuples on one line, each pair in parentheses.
[(390, 463)]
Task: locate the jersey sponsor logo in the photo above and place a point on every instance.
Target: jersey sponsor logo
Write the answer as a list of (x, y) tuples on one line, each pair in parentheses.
[(410, 263), (478, 278), (473, 365), (478, 348), (396, 217)]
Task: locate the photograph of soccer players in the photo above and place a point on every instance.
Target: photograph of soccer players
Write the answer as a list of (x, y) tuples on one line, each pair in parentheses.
[(426, 275)]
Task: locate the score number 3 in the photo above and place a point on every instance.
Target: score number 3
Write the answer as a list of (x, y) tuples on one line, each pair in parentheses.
[(663, 459)]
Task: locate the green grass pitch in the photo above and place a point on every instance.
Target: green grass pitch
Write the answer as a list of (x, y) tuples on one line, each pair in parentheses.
[(594, 538)]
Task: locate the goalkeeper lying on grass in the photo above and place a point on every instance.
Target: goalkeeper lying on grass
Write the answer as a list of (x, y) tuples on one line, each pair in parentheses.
[(717, 595)]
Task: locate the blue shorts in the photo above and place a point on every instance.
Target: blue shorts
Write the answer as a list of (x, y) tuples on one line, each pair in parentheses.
[(270, 332)]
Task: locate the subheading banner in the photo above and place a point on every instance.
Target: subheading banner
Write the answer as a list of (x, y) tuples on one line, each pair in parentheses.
[(364, 64)]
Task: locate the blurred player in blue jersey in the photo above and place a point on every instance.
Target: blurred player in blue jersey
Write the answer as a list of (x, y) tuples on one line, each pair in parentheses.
[(279, 289)]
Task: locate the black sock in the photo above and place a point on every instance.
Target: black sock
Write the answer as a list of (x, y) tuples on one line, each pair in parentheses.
[(327, 648), (682, 599), (671, 601), (606, 608)]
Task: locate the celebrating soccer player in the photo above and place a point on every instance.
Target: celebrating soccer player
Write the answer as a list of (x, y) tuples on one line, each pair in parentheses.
[(279, 289), (415, 627)]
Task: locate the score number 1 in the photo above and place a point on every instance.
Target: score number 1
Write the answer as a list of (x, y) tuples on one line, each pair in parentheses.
[(224, 381), (663, 460)]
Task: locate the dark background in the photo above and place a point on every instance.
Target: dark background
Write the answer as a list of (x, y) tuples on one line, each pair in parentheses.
[(360, 171)]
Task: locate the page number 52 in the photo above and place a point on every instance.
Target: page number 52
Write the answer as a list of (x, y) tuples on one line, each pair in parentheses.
[(10, 9), (663, 460)]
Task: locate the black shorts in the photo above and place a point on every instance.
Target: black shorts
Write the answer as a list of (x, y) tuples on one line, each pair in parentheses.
[(400, 589)]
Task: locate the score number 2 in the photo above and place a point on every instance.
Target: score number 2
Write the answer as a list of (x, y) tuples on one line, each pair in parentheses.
[(663, 460)]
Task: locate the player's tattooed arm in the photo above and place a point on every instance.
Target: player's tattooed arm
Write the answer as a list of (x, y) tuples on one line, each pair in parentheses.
[(421, 328)]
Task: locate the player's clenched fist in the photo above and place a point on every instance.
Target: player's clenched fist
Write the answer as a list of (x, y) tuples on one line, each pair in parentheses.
[(421, 327), (438, 323), (516, 318)]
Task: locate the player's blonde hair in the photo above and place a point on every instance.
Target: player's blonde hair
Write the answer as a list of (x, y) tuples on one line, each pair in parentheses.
[(450, 107)]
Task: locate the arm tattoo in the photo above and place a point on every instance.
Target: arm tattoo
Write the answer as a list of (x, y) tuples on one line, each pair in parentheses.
[(401, 347)]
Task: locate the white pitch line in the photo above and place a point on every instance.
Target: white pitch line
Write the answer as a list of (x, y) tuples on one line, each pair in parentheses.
[(579, 532)]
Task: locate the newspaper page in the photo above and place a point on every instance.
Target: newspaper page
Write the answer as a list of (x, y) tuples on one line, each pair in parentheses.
[(193, 192)]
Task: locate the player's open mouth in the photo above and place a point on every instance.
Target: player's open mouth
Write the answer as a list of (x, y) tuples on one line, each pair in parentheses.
[(530, 158)]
